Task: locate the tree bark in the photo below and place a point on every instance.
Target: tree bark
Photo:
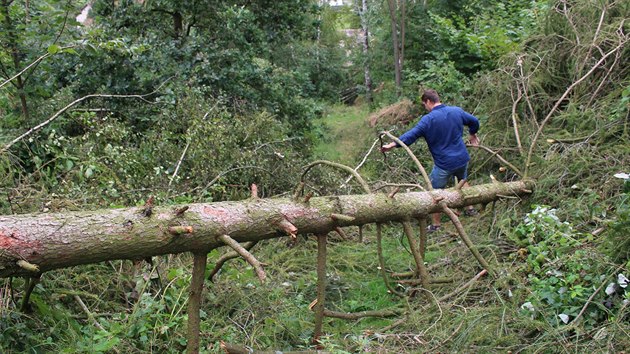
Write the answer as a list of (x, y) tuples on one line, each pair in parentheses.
[(35, 243), (366, 51), (194, 302), (395, 43)]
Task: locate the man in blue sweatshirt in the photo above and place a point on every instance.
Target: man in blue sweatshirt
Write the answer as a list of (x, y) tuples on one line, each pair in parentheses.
[(442, 128)]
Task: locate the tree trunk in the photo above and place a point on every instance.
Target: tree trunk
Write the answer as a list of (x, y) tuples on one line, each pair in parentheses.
[(34, 243), (366, 51), (395, 43), (12, 46)]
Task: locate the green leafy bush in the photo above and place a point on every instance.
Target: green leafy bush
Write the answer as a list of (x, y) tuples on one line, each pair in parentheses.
[(564, 275), (617, 241)]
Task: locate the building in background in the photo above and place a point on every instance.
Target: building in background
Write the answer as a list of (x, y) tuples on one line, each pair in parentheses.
[(338, 3)]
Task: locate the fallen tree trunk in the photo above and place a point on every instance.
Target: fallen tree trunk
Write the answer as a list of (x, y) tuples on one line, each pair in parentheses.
[(34, 243)]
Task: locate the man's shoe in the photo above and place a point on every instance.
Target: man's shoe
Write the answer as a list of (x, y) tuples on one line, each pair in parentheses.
[(433, 228), (471, 212)]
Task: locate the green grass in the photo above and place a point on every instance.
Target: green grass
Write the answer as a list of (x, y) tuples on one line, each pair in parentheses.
[(238, 309), (344, 134)]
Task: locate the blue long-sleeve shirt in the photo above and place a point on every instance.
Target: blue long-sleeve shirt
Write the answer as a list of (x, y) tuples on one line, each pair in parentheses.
[(442, 129)]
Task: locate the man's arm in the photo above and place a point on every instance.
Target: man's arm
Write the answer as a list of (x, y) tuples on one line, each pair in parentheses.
[(408, 138), (473, 126), (471, 122)]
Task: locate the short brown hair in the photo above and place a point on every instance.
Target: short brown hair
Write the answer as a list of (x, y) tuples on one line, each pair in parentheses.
[(430, 95)]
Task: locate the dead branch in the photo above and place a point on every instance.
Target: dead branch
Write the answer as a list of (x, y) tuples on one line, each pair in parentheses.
[(515, 117), (321, 287), (226, 257), (464, 237), (299, 189), (194, 302), (427, 180), (362, 161), (246, 255), (423, 236), (564, 95), (34, 63), (181, 158), (463, 287), (496, 153), (356, 175), (421, 270), (590, 48), (79, 100), (362, 314), (590, 298), (88, 313)]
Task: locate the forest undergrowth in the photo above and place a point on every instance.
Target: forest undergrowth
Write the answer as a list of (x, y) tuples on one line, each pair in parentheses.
[(557, 110)]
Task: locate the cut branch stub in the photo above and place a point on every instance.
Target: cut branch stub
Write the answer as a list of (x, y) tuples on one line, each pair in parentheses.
[(181, 211), (342, 217), (180, 230), (299, 189), (28, 266), (254, 191), (286, 226), (393, 193)]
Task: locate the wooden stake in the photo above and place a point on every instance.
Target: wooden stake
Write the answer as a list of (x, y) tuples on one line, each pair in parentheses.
[(194, 302), (420, 268), (28, 286), (321, 286), (423, 236)]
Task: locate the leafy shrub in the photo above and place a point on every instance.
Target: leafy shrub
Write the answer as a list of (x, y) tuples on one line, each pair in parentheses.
[(563, 273), (617, 241)]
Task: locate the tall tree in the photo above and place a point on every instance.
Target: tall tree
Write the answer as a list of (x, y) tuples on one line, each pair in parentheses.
[(397, 19), (27, 32), (10, 46), (366, 49)]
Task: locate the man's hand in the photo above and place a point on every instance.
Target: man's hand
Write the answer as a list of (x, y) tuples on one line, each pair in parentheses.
[(386, 148), (474, 140)]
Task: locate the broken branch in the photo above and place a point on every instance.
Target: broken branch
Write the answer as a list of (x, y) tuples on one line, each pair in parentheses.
[(246, 255)]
